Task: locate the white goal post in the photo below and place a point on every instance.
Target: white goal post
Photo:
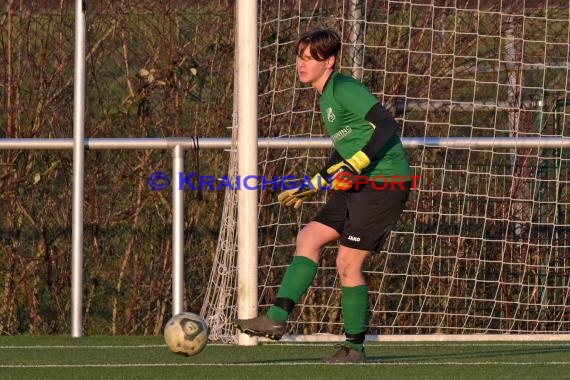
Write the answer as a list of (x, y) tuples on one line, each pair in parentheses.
[(483, 248)]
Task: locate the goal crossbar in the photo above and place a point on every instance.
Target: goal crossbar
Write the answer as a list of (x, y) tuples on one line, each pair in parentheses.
[(192, 143)]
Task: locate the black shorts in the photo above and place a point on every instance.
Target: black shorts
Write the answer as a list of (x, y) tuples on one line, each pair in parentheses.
[(364, 217)]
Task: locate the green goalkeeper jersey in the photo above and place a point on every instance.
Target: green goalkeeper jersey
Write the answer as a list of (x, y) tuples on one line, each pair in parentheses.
[(344, 104)]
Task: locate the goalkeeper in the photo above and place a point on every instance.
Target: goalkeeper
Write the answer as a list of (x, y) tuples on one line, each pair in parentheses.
[(359, 217)]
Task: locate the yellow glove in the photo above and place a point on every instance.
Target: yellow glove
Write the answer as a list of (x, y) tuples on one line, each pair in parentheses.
[(342, 173), (300, 194)]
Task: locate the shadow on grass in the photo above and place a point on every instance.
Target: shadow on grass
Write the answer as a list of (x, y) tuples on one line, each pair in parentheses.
[(446, 354)]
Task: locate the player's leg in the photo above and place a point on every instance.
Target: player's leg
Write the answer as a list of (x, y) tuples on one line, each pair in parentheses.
[(372, 215), (302, 270), (297, 279), (326, 227), (354, 304)]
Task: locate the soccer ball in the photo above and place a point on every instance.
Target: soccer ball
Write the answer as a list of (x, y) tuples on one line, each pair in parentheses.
[(186, 333)]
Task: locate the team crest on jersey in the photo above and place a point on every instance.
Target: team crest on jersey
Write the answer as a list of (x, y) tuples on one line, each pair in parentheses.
[(330, 115)]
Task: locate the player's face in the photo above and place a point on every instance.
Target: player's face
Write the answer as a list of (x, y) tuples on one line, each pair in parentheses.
[(312, 71)]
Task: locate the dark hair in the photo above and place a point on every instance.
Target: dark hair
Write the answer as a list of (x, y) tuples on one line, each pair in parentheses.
[(323, 43)]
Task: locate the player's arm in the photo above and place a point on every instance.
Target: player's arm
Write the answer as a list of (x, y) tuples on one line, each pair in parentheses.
[(384, 128)]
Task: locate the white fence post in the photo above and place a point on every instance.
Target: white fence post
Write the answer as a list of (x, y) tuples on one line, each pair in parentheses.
[(78, 168)]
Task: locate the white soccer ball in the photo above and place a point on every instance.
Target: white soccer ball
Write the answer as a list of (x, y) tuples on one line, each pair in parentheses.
[(186, 334)]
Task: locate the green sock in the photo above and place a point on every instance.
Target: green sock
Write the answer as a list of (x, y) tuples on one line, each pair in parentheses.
[(354, 302), (298, 277)]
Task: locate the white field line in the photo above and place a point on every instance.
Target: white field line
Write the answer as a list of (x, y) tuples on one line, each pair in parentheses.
[(253, 364), (433, 344), (272, 364), (305, 344), (57, 347)]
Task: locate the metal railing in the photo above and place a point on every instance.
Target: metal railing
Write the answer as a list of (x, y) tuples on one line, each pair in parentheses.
[(178, 146)]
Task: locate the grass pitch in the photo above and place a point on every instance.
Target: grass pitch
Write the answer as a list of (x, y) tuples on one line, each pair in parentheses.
[(59, 357)]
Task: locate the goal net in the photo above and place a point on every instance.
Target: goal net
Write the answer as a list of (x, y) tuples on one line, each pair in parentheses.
[(483, 245)]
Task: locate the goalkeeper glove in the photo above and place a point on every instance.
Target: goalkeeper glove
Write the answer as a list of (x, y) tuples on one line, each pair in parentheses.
[(342, 174), (300, 194)]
